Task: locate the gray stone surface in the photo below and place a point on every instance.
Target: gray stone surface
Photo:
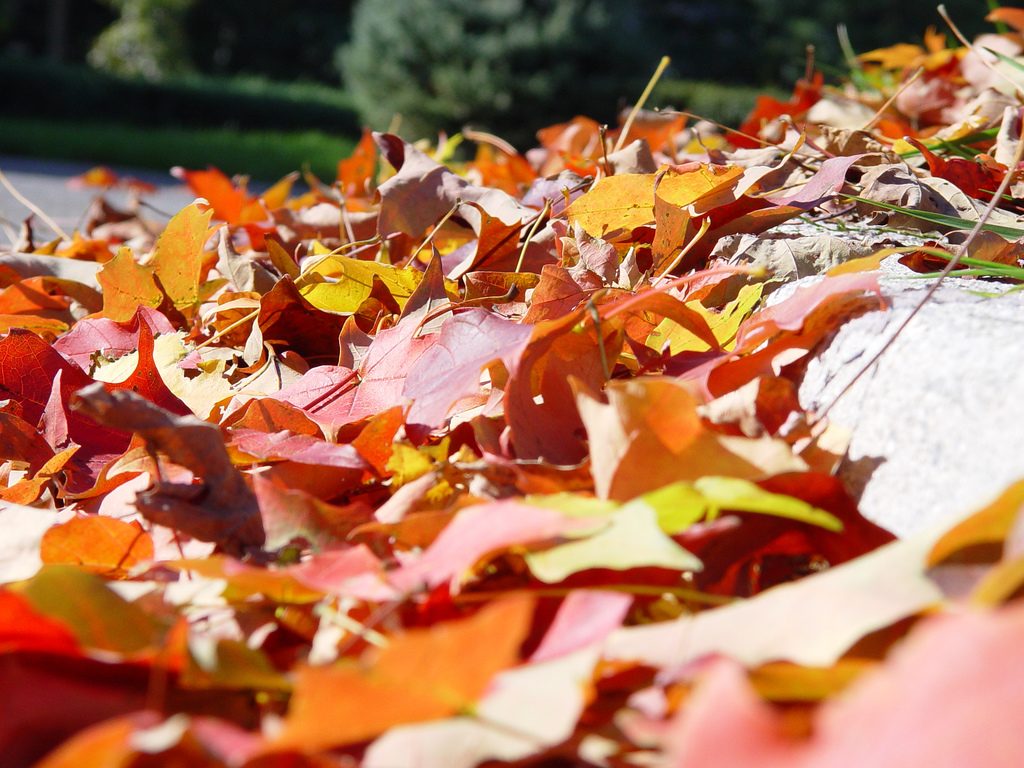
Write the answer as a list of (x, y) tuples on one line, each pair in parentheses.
[(938, 424), (44, 182)]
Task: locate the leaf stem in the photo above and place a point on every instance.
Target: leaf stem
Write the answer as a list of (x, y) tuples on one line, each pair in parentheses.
[(32, 207), (533, 231), (662, 66)]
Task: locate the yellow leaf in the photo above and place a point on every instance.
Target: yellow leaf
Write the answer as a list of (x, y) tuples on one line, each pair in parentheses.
[(126, 285), (615, 203), (178, 256), (723, 324), (339, 284), (407, 464), (897, 56), (1000, 583), (784, 681), (860, 264), (709, 185), (281, 259), (277, 195)]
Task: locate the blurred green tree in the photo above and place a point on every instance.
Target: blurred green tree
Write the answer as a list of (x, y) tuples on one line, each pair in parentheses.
[(506, 65), (147, 40), (280, 41)]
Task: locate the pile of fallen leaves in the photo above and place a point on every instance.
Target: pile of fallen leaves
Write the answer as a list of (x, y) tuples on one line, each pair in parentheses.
[(447, 463)]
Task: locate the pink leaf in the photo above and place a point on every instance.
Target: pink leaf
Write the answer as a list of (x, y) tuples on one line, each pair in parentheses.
[(450, 369), (950, 696), (585, 617), (478, 531)]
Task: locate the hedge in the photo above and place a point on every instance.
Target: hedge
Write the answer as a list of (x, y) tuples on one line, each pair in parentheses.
[(42, 89)]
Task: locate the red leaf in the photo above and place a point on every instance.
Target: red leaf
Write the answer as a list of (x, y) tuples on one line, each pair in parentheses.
[(976, 178), (22, 628)]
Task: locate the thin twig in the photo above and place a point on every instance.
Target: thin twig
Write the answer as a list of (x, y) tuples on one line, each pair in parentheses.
[(437, 228), (888, 102), (662, 65), (974, 49), (229, 328), (33, 207), (602, 134), (533, 231), (483, 137), (704, 227)]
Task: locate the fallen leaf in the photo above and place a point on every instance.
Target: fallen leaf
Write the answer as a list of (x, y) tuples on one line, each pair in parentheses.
[(424, 674), (479, 531), (825, 615), (98, 617), (178, 256), (654, 424), (615, 204), (631, 539), (221, 508), (450, 369), (127, 286), (97, 544), (887, 718), (339, 284)]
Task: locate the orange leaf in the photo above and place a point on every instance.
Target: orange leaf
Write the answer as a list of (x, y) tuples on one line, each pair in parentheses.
[(654, 424), (1013, 17), (98, 544), (178, 256), (28, 490), (127, 285), (229, 203), (105, 745), (99, 176), (374, 443), (277, 195), (990, 525), (424, 674), (22, 628), (710, 185), (358, 168), (805, 95)]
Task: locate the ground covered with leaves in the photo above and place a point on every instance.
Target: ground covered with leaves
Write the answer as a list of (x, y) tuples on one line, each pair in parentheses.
[(502, 461)]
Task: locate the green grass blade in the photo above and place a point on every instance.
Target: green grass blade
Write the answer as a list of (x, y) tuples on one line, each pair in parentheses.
[(1007, 60), (940, 219)]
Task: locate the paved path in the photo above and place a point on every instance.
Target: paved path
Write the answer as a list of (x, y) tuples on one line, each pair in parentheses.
[(44, 182)]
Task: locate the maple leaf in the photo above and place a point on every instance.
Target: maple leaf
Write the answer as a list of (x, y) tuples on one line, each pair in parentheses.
[(228, 202), (178, 256), (127, 285), (100, 544), (422, 675), (468, 343)]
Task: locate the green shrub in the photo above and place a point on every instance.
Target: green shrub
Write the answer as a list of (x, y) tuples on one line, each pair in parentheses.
[(42, 89), (147, 40), (510, 66), (264, 155)]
